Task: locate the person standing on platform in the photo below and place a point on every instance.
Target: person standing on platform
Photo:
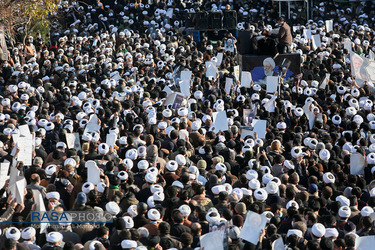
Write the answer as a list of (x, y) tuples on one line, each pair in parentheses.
[(285, 37)]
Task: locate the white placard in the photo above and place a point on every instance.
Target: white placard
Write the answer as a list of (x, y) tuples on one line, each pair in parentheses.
[(348, 44), (20, 189), (325, 81), (120, 96), (228, 84), (167, 90), (316, 42), (357, 164), (185, 83), (307, 33), (278, 244), (272, 83), (260, 127), (270, 105), (26, 150), (169, 13), (70, 138), (365, 242), (92, 125), (38, 200), (211, 70), (246, 79), (24, 130), (236, 72), (371, 55), (252, 227), (246, 132), (219, 58), (111, 139), (220, 122), (329, 25), (212, 240), (4, 169), (93, 172)]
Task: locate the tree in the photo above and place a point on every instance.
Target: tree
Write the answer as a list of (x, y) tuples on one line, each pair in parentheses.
[(28, 14)]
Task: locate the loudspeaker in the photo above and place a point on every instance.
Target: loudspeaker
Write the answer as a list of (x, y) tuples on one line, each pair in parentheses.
[(216, 22), (230, 20), (201, 20), (190, 20)]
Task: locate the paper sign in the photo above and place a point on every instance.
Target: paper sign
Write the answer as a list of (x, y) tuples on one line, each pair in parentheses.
[(167, 90), (212, 240), (20, 189), (365, 242), (307, 33), (220, 122), (178, 99), (92, 125), (246, 132), (185, 83), (169, 13), (211, 70), (120, 96), (371, 55), (170, 98), (26, 150), (111, 139), (270, 105), (272, 84), (348, 44), (329, 25), (93, 172), (254, 223), (24, 130), (248, 116), (260, 127), (325, 81), (228, 84), (236, 72), (219, 58), (38, 200), (246, 79), (316, 42), (357, 164), (70, 138), (77, 142), (4, 169), (278, 244)]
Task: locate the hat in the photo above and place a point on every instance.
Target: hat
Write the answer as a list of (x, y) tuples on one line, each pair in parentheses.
[(53, 195), (54, 237), (122, 175), (328, 178), (331, 232), (343, 200), (28, 233), (185, 210), (172, 165), (180, 159), (251, 174), (292, 204), (313, 188), (178, 184), (156, 187), (345, 212), (71, 162), (289, 164), (87, 187), (296, 152), (366, 211), (129, 223), (143, 164), (294, 231), (272, 187), (318, 230), (254, 184), (133, 210), (81, 198), (150, 178), (127, 244), (260, 194), (213, 216), (112, 208), (217, 189), (51, 169), (153, 214), (13, 233)]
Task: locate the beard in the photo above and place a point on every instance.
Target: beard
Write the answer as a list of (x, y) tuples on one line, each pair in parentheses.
[(268, 72)]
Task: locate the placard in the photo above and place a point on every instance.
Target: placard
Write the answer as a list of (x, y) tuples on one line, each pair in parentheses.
[(26, 150), (111, 140), (316, 42), (228, 84), (252, 227), (329, 25), (272, 83), (92, 125), (357, 164), (220, 122), (260, 127), (307, 33), (211, 70), (93, 172), (212, 240), (365, 242), (219, 58), (325, 81), (246, 79)]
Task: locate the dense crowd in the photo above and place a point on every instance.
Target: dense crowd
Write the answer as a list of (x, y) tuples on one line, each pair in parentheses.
[(169, 179)]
